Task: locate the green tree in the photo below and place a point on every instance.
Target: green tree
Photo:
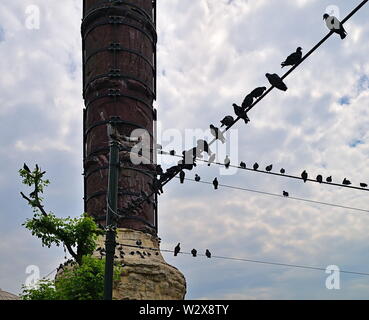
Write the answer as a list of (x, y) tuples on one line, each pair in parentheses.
[(78, 235), (82, 280)]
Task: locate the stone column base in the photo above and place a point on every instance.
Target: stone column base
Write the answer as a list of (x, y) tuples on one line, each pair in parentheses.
[(145, 274)]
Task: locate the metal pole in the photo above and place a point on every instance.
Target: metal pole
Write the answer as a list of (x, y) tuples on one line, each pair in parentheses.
[(111, 207)]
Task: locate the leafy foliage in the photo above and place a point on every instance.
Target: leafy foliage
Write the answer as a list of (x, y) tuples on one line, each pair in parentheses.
[(79, 282), (78, 235)]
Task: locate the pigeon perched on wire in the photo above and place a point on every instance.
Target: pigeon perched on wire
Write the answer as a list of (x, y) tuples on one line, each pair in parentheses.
[(177, 249), (269, 168), (346, 182), (211, 159), (304, 175), (194, 252), (217, 133), (276, 81), (247, 102), (182, 176), (363, 185), (319, 178), (227, 162), (243, 165), (293, 58), (285, 194), (207, 253), (257, 92), (197, 177), (241, 113), (227, 121), (282, 171), (203, 145), (215, 183), (333, 24), (255, 166), (329, 179)]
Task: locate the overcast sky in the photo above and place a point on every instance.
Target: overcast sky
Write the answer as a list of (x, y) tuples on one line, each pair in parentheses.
[(211, 53)]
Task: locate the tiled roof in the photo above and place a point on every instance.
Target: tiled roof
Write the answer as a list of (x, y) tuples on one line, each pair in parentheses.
[(8, 296)]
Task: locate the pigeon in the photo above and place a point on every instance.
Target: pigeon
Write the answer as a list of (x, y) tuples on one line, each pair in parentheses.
[(241, 113), (25, 167), (256, 93), (159, 170), (243, 165), (363, 185), (282, 171), (207, 253), (256, 166), (227, 162), (346, 182), (217, 133), (227, 121), (211, 159), (285, 194), (249, 99), (197, 178), (329, 179), (293, 58), (181, 176), (276, 81), (304, 175), (177, 249), (335, 25), (215, 183), (269, 168), (194, 252), (237, 110), (319, 178), (203, 145)]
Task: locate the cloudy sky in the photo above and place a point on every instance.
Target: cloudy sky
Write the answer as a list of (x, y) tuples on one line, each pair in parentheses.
[(211, 53)]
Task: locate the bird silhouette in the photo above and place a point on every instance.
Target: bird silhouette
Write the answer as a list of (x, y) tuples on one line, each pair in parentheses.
[(257, 92), (304, 175), (172, 152), (182, 176), (363, 185), (293, 58), (255, 166), (329, 179), (197, 178), (243, 165), (227, 162), (177, 249), (249, 99), (227, 121), (194, 252), (333, 24), (241, 113), (276, 81), (346, 182), (283, 171), (215, 183), (25, 167), (319, 178), (269, 168), (217, 133), (211, 159), (285, 194), (207, 253)]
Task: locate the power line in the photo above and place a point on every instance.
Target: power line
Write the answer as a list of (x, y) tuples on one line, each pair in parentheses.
[(295, 66), (273, 173), (247, 260), (281, 196)]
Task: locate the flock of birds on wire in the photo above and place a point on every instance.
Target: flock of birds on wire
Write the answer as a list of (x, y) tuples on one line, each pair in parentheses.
[(189, 157)]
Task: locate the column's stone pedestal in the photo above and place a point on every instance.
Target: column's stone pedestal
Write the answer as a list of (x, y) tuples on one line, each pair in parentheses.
[(145, 274)]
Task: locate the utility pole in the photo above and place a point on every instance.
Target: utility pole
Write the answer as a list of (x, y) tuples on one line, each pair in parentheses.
[(112, 201)]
